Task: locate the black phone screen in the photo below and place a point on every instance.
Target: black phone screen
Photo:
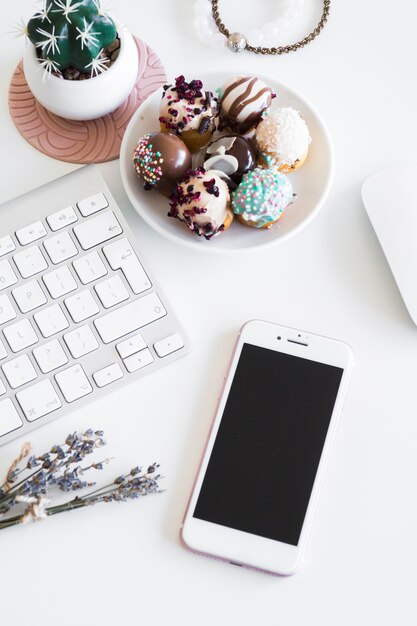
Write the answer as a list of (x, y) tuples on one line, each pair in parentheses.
[(265, 457)]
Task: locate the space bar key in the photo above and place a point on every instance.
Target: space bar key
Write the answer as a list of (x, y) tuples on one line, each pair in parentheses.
[(130, 317)]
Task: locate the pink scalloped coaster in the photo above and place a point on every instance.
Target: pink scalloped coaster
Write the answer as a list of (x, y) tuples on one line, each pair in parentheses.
[(93, 141)]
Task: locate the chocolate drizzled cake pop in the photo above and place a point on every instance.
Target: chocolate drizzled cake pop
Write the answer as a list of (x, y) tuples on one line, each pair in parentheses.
[(243, 100)]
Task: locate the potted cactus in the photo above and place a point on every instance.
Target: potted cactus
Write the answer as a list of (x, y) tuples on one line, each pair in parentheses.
[(78, 64)]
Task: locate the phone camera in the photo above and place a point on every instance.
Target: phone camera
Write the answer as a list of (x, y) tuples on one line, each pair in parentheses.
[(278, 338)]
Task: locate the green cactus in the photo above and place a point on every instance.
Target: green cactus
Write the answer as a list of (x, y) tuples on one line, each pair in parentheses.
[(71, 33)]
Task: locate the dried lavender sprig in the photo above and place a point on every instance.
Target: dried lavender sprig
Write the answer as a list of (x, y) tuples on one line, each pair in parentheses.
[(112, 493), (120, 480), (78, 445), (37, 483), (56, 471)]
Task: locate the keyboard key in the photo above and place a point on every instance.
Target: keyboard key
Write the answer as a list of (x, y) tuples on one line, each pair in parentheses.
[(50, 356), (7, 311), (129, 318), (81, 306), (130, 346), (97, 230), (38, 400), (168, 345), (30, 233), (3, 352), (73, 383), (62, 218), (9, 418), (51, 320), (112, 292), (30, 262), (59, 282), (60, 248), (93, 204), (6, 245), (2, 388), (138, 360), (7, 275), (108, 375), (29, 296), (20, 335), (19, 371), (81, 341), (121, 255), (89, 267)]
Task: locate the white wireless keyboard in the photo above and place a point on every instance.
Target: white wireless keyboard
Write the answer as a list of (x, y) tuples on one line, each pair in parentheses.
[(80, 311)]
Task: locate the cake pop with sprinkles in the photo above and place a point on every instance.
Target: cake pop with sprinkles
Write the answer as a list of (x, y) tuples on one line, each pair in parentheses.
[(161, 159), (261, 197)]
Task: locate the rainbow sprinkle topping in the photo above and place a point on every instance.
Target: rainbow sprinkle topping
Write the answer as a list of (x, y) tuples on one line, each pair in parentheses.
[(262, 196), (147, 161)]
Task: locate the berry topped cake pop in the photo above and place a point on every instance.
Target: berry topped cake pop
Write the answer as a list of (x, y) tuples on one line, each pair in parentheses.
[(232, 155), (283, 139), (160, 160), (201, 200), (189, 111), (243, 101), (261, 198)]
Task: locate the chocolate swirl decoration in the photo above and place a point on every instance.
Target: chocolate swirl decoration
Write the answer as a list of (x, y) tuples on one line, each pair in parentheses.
[(244, 100), (232, 156)]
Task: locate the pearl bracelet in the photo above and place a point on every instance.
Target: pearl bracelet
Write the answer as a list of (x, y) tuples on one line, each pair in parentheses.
[(266, 35)]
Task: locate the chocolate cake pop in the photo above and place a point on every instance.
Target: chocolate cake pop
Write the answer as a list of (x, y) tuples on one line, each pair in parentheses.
[(160, 160), (232, 155)]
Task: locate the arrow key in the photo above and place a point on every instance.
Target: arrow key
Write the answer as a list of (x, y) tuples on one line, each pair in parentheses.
[(108, 375), (138, 360), (168, 345)]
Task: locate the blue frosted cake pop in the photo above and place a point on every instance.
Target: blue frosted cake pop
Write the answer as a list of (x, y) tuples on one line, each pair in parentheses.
[(261, 197)]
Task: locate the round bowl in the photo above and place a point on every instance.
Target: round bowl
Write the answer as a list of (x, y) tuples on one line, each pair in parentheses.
[(311, 182), (85, 99)]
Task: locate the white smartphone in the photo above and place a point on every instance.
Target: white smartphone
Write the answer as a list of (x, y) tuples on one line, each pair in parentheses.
[(254, 496)]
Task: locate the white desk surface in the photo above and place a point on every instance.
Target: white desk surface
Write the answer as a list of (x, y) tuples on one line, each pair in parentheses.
[(123, 564)]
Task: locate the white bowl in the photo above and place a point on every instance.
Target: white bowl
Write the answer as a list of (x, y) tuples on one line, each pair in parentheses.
[(311, 182), (85, 99)]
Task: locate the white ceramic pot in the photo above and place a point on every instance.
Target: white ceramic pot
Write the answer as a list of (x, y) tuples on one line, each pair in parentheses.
[(85, 99)]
